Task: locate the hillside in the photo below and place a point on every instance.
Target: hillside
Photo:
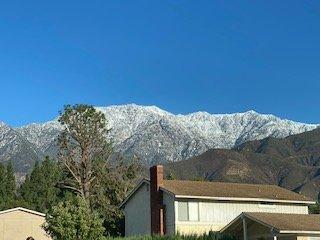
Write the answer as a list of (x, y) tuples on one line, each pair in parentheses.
[(292, 162)]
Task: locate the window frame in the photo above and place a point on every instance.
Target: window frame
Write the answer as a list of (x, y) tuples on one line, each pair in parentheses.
[(188, 211)]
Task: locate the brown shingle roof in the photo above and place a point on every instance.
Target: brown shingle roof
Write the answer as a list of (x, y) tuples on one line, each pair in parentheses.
[(231, 190), (288, 222)]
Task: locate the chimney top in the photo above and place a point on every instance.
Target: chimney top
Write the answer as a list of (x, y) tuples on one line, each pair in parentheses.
[(156, 176)]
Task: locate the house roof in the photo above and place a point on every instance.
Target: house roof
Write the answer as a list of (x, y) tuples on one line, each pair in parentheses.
[(282, 223), (222, 191), (23, 210), (232, 191)]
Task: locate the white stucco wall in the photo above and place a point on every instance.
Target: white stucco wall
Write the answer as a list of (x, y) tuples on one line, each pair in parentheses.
[(137, 213), (221, 213)]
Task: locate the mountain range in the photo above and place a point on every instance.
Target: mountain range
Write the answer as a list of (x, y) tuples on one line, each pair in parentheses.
[(292, 162), (150, 133)]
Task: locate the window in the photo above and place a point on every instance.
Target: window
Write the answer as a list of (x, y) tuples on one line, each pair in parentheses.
[(193, 211), (188, 211), (183, 211)]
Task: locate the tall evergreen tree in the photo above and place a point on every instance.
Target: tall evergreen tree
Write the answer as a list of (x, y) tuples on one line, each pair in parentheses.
[(40, 191), (10, 186), (2, 187), (85, 154), (7, 187), (83, 147)]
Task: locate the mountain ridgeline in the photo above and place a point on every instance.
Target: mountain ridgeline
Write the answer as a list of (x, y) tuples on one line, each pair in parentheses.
[(292, 162), (157, 136)]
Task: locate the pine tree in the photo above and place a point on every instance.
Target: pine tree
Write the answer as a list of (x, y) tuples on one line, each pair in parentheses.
[(82, 147), (28, 190), (10, 186), (40, 191), (85, 154), (2, 187)]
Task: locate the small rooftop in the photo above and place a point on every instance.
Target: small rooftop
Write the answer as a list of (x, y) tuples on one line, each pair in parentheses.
[(23, 210), (280, 222), (289, 222)]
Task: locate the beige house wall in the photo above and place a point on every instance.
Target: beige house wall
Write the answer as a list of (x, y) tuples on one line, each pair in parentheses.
[(18, 225), (137, 213), (224, 212)]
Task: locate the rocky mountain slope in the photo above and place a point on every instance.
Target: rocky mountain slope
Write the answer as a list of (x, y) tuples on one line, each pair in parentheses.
[(16, 148), (292, 162), (153, 134)]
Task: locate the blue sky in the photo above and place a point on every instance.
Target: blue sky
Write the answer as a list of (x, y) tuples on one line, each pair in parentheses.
[(183, 56)]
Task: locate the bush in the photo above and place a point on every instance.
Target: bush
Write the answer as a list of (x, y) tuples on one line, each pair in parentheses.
[(74, 221)]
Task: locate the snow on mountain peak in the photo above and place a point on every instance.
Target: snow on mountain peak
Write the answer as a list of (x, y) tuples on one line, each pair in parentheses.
[(131, 109), (156, 135), (2, 124)]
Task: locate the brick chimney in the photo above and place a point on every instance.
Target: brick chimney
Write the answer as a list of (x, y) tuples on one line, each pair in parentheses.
[(156, 200)]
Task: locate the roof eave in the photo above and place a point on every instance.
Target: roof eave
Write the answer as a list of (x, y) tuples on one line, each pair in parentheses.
[(298, 232), (307, 202)]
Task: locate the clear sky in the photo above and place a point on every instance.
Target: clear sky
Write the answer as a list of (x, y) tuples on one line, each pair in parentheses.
[(183, 56)]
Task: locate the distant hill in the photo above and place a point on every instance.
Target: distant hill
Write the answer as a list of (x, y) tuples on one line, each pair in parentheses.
[(152, 134), (292, 162)]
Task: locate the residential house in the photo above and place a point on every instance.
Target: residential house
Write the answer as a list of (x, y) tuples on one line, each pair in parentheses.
[(159, 206), (20, 223)]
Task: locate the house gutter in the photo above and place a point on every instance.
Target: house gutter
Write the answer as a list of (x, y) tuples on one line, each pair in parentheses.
[(243, 199)]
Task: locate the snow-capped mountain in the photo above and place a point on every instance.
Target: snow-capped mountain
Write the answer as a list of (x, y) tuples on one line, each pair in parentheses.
[(14, 147), (43, 136), (155, 135)]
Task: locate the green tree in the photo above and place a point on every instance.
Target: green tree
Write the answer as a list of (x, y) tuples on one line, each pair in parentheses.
[(7, 187), (10, 186), (2, 187), (111, 187), (40, 191), (83, 147), (85, 152), (74, 221)]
